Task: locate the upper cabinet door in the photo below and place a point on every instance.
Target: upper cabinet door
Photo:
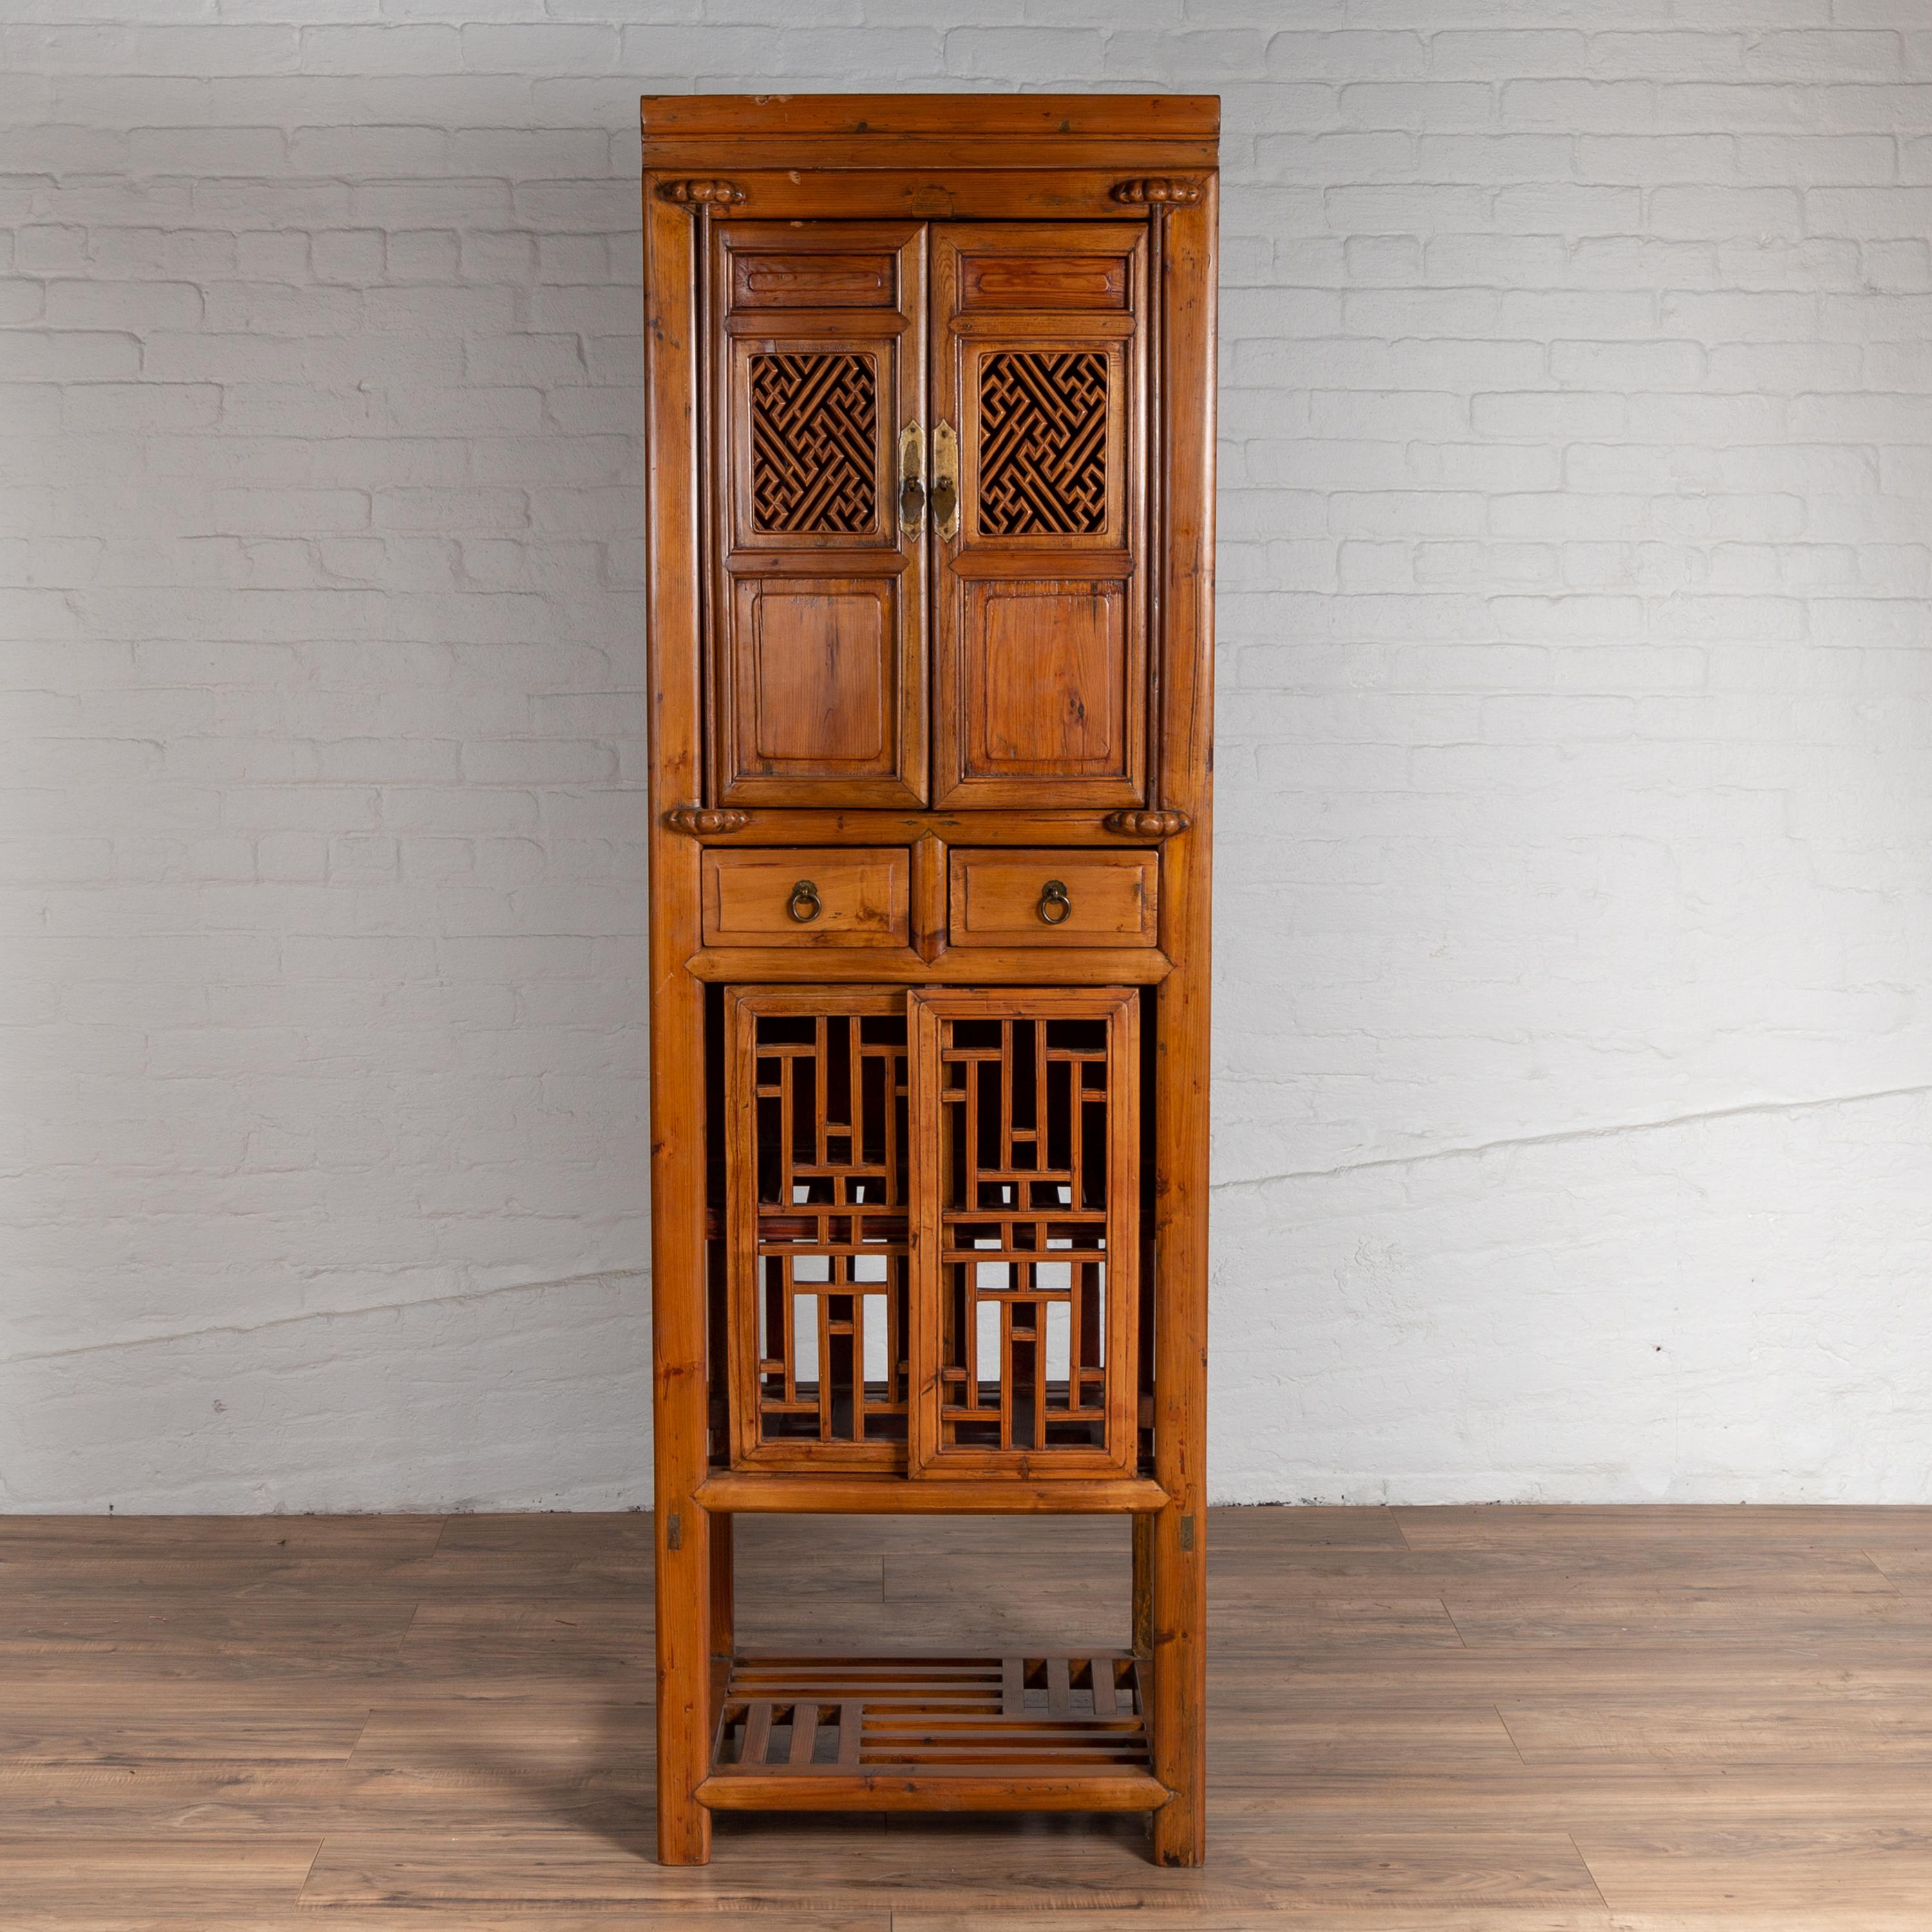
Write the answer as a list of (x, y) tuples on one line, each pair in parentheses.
[(818, 622), (1040, 377)]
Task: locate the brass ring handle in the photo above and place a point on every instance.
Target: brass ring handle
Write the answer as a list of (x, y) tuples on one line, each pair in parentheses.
[(803, 904), (945, 482), (1055, 908), (912, 479)]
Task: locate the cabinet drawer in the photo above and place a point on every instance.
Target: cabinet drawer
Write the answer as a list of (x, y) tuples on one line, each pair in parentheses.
[(851, 895), (1001, 898)]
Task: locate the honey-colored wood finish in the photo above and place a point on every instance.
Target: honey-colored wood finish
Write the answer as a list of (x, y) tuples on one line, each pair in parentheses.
[(820, 680), (1040, 367), (816, 1102), (930, 425), (1026, 1110), (1009, 898), (1494, 1719), (805, 897)]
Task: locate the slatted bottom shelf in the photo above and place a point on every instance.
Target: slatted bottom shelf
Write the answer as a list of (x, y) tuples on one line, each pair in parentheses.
[(1025, 1733)]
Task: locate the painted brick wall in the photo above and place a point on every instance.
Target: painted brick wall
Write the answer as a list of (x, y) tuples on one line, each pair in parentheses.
[(1574, 1130)]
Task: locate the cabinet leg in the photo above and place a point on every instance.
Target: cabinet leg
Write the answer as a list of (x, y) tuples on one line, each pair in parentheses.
[(1179, 1605), (1143, 1638), (684, 1572), (723, 1606)]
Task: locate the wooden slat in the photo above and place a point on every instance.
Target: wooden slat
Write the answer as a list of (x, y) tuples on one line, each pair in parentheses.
[(758, 1732), (804, 1732), (976, 1788), (748, 1492), (1058, 1702), (1105, 1703), (1038, 966)]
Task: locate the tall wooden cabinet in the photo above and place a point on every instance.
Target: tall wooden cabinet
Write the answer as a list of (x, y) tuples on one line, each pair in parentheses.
[(931, 441)]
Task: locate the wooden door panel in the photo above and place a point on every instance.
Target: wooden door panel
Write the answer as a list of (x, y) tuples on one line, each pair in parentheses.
[(819, 677), (817, 666), (816, 1150), (1025, 1196), (998, 279), (1041, 643), (769, 275), (1046, 668)]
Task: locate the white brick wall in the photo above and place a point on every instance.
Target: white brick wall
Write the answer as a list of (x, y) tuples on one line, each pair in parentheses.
[(1574, 1130)]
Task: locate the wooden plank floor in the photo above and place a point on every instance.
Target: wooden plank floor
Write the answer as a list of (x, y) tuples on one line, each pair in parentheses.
[(1489, 1720)]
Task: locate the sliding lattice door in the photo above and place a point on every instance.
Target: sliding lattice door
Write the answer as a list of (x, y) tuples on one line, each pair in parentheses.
[(816, 1099), (1025, 1308)]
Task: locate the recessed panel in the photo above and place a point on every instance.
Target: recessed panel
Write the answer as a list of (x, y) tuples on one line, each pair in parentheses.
[(821, 674), (1056, 282), (1045, 670), (815, 689), (774, 278)]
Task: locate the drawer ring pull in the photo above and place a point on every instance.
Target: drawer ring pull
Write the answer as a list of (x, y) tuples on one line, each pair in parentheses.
[(803, 904), (1055, 908)]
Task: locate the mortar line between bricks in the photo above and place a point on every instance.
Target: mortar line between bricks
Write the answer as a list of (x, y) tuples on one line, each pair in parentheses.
[(1570, 1134), (326, 1315)]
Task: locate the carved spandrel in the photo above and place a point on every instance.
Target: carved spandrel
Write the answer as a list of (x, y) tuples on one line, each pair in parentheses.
[(697, 821), (701, 193), (1156, 191)]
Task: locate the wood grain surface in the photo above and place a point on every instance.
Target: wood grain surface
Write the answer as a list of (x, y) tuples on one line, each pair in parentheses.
[(1437, 1720)]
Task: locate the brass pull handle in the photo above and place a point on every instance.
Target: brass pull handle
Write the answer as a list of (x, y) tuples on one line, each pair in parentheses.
[(912, 478), (945, 481), (803, 904), (1055, 908)]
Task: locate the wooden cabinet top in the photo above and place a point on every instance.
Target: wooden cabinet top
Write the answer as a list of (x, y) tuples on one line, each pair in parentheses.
[(888, 130)]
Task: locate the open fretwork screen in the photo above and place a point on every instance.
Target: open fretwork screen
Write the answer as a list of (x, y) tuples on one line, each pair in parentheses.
[(818, 1132), (1027, 1280)]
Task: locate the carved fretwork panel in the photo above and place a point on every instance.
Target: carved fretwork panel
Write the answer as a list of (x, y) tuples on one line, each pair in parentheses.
[(1042, 443), (1026, 1311), (814, 443), (1040, 359), (816, 1108)]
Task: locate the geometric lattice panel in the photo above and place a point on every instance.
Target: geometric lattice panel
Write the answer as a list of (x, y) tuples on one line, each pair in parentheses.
[(814, 443), (826, 1117), (931, 1716), (1024, 1153), (1042, 443)]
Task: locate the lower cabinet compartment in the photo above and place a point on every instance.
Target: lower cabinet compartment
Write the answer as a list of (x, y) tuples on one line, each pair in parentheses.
[(933, 1224)]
